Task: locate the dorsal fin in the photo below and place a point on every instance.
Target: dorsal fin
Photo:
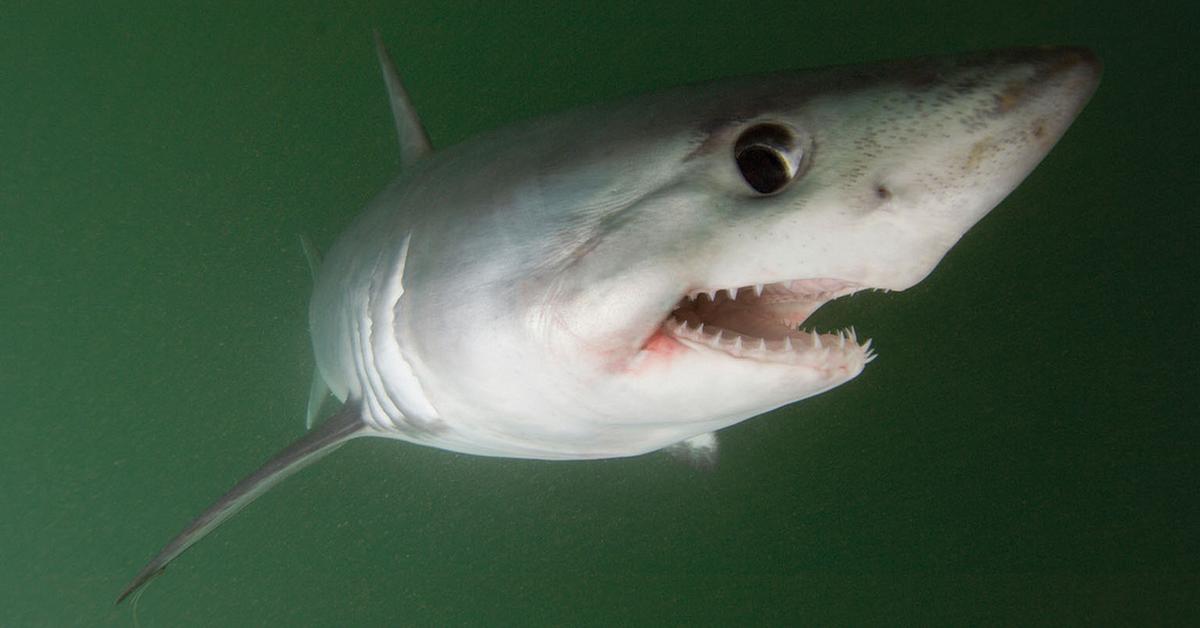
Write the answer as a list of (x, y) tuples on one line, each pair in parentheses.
[(414, 142)]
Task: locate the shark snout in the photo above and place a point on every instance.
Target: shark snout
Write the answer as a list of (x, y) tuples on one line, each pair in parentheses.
[(1061, 78), (1075, 60)]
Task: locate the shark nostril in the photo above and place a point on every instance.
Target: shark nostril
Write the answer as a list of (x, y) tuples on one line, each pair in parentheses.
[(882, 192)]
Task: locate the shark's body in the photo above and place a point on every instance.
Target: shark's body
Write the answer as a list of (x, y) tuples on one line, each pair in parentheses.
[(627, 277)]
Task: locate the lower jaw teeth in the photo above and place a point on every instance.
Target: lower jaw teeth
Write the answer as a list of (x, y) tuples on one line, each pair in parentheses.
[(811, 343)]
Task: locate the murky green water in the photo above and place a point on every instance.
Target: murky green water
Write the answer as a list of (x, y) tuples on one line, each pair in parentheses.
[(1025, 450)]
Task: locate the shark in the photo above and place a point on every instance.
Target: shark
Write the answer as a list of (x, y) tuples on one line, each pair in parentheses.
[(635, 275)]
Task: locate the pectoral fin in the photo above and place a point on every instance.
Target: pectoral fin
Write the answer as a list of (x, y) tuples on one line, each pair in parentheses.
[(318, 392), (335, 431)]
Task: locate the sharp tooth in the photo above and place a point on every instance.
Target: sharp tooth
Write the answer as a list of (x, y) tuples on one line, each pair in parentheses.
[(712, 294), (787, 343), (732, 293), (841, 340), (762, 344), (870, 358), (853, 335), (682, 327), (737, 343), (867, 346), (816, 339), (758, 289), (700, 329), (716, 339)]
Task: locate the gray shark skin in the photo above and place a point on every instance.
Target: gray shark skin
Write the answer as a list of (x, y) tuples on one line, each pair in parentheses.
[(633, 276)]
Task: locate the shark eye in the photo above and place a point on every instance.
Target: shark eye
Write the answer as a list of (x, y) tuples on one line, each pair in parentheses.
[(768, 157)]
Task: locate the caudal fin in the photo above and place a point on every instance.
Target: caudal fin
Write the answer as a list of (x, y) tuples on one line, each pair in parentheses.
[(335, 431)]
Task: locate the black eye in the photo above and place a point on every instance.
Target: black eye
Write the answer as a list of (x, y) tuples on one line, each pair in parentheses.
[(768, 156)]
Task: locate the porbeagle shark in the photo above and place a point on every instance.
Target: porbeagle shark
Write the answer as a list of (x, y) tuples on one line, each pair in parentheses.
[(634, 276)]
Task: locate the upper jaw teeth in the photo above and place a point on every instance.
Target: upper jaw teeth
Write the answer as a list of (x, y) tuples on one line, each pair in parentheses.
[(806, 289), (730, 293)]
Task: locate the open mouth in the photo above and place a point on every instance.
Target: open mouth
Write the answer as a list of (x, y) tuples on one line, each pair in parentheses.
[(764, 322)]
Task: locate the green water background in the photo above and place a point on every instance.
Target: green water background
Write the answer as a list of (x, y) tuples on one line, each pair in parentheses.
[(1025, 449)]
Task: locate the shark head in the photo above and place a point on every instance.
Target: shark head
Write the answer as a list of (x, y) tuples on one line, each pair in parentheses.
[(621, 277)]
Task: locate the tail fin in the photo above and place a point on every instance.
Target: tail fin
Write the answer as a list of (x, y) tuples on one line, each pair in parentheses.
[(338, 429)]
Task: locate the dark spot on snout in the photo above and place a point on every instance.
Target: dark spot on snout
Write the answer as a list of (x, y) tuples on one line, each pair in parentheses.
[(882, 192), (1008, 99)]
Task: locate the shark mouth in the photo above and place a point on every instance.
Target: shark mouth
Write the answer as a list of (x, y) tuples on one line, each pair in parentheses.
[(763, 322)]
